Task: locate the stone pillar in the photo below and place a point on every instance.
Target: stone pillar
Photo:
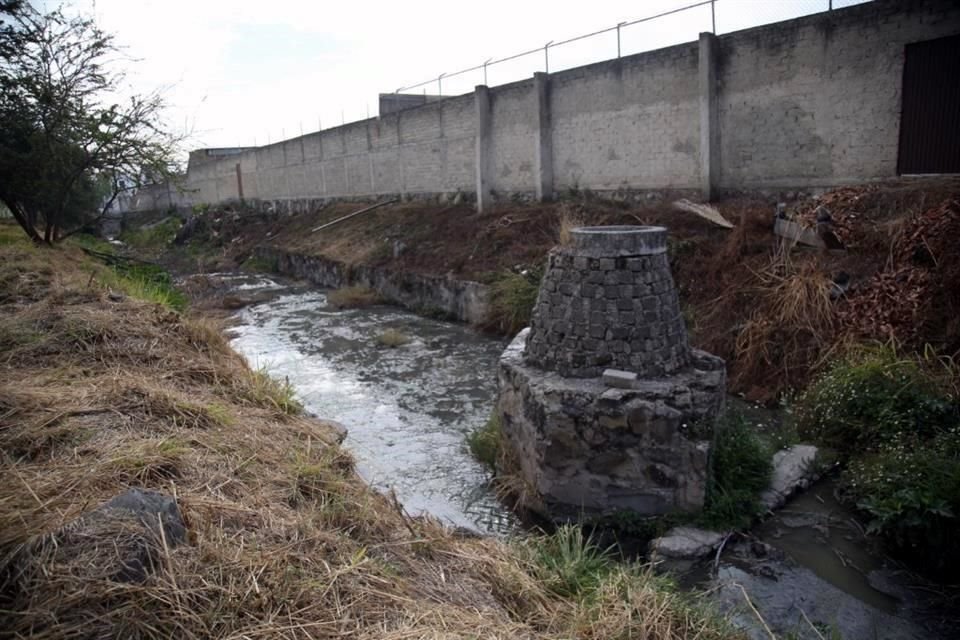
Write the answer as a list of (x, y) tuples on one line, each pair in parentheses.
[(543, 151), (709, 121), (608, 301), (481, 97)]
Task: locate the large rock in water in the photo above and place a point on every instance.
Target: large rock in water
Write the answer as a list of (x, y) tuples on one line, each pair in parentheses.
[(121, 540)]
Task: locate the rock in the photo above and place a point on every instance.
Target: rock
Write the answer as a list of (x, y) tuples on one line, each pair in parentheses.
[(792, 470), (115, 297), (340, 430), (122, 540), (619, 379), (685, 543)]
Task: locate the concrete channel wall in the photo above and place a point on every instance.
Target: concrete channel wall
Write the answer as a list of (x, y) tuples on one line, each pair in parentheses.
[(810, 102), (461, 300)]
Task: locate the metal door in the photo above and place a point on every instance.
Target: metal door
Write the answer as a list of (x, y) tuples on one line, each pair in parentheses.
[(930, 111)]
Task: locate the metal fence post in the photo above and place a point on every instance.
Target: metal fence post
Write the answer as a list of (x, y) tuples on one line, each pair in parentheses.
[(485, 71), (440, 84), (618, 37), (546, 57), (713, 16)]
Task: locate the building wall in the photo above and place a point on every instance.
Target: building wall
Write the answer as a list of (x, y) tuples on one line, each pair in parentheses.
[(803, 103), (628, 123), (816, 101)]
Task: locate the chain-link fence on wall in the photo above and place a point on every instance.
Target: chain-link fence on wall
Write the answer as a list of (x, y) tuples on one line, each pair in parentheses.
[(668, 27)]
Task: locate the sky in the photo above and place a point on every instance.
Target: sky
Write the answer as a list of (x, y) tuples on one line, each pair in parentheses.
[(242, 73)]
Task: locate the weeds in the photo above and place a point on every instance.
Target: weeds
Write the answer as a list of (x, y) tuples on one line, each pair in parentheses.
[(259, 264), (155, 236), (569, 564), (740, 468), (484, 442), (512, 298), (569, 219), (393, 338), (266, 391), (353, 297)]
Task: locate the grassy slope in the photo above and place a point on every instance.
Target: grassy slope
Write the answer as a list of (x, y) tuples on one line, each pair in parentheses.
[(285, 540)]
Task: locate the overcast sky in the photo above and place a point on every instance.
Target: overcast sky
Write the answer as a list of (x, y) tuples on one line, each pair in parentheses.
[(240, 72)]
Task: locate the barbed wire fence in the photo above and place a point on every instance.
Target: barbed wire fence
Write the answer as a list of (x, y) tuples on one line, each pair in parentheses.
[(665, 28)]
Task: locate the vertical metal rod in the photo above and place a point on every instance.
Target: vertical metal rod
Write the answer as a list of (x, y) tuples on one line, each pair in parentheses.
[(713, 16), (618, 38), (829, 5), (546, 57), (440, 84), (485, 71)]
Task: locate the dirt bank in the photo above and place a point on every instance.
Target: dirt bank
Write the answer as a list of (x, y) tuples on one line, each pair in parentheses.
[(101, 391)]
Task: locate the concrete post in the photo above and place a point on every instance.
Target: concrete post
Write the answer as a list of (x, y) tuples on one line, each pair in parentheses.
[(239, 183), (709, 120), (481, 96), (543, 152)]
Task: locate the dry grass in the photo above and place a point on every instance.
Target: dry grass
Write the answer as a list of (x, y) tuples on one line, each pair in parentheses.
[(791, 325), (569, 219), (353, 297), (393, 338), (284, 540)]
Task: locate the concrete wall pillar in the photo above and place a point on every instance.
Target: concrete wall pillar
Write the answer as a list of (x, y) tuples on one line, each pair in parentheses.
[(709, 117), (481, 97), (543, 136)]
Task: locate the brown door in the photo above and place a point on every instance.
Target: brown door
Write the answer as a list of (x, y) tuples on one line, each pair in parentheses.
[(930, 112)]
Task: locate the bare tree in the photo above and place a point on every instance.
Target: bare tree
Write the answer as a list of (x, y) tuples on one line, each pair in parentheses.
[(67, 143)]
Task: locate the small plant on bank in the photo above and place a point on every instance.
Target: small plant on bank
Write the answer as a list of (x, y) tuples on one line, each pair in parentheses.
[(570, 219), (740, 468), (393, 338), (156, 236), (266, 391), (259, 264), (353, 297), (484, 443), (512, 298), (568, 563)]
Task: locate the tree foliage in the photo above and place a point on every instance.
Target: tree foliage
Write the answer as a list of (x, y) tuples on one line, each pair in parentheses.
[(69, 144)]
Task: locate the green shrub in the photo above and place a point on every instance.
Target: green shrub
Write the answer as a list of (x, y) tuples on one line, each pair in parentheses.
[(484, 443), (740, 468), (911, 492), (512, 297), (896, 424), (154, 237), (258, 264), (873, 398), (149, 282), (568, 563)]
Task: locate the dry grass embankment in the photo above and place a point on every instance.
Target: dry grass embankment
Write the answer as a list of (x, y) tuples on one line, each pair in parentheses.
[(98, 394)]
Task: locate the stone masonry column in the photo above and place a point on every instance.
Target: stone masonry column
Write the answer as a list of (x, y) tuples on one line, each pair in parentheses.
[(609, 301), (481, 98)]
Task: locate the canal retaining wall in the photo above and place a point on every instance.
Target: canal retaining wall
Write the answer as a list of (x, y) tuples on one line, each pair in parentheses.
[(461, 300)]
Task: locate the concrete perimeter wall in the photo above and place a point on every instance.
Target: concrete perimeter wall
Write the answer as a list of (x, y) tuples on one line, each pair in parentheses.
[(811, 102)]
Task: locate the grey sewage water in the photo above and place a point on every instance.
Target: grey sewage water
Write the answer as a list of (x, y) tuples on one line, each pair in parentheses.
[(408, 410)]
